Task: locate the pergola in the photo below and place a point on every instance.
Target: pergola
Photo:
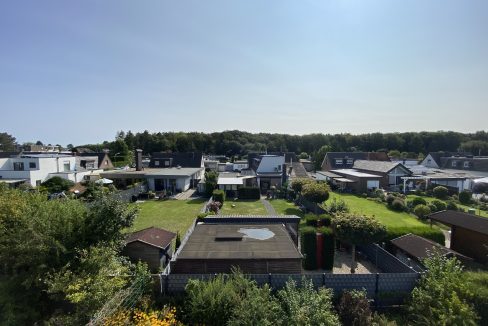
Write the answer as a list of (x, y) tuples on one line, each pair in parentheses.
[(405, 179)]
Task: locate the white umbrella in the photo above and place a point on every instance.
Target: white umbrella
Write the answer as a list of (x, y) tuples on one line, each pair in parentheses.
[(104, 181), (481, 180)]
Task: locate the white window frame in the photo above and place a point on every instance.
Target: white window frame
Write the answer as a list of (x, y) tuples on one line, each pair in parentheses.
[(339, 161), (466, 164), (454, 164)]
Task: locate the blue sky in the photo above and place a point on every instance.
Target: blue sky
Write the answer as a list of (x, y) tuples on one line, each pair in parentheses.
[(78, 71)]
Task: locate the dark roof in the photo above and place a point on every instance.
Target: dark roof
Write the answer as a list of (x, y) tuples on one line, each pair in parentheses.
[(289, 156), (378, 166), (333, 156), (420, 248), (234, 241), (101, 156), (184, 159), (8, 154), (153, 236), (463, 220), (474, 163), (438, 155)]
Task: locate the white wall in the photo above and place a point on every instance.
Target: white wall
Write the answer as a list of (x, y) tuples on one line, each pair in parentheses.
[(429, 162)]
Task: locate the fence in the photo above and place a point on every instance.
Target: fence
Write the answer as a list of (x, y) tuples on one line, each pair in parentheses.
[(382, 259), (386, 289)]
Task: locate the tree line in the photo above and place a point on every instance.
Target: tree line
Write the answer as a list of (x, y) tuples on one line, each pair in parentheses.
[(237, 143)]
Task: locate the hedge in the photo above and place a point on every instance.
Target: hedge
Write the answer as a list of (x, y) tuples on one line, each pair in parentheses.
[(218, 195), (308, 240), (433, 234), (311, 220), (248, 193), (328, 249)]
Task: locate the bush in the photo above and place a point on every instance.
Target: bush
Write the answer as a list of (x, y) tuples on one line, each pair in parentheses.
[(311, 220), (248, 193), (398, 205), (325, 220), (451, 205), (416, 201), (328, 249), (308, 239), (214, 206), (57, 184), (477, 283), (218, 195), (336, 206), (421, 211), (354, 309), (440, 192), (465, 197), (438, 205), (427, 232), (389, 199)]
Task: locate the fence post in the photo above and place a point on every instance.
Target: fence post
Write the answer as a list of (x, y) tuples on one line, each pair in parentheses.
[(376, 291)]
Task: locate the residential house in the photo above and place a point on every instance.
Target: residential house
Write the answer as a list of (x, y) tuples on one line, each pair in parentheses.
[(469, 233), (230, 182), (308, 165), (350, 180), (254, 244), (271, 172), (345, 160), (239, 165), (103, 159), (433, 159), (34, 169), (151, 245), (173, 160), (391, 172)]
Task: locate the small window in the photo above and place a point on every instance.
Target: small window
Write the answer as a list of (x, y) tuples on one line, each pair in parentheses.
[(156, 163), (66, 166), (166, 163), (18, 166), (454, 164), (338, 161), (32, 165), (279, 167), (38, 183), (106, 162), (466, 164), (350, 161)]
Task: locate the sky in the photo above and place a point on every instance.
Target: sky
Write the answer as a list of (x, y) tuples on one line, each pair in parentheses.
[(79, 71)]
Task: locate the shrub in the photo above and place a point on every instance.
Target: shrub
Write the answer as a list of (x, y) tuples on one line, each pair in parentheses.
[(177, 241), (303, 305), (248, 193), (416, 201), (438, 205), (477, 283), (311, 220), (308, 239), (354, 309), (451, 205), (389, 199), (427, 232), (218, 195), (325, 220), (421, 211), (57, 184), (336, 206), (465, 197), (398, 205), (328, 249), (440, 192), (214, 206)]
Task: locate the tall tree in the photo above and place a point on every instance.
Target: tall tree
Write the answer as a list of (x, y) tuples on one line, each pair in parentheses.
[(7, 142), (357, 230)]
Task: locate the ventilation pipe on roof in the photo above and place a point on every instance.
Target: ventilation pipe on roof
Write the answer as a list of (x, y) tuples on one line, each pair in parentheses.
[(138, 153)]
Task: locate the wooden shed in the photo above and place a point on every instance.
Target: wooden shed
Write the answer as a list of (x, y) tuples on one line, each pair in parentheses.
[(151, 245)]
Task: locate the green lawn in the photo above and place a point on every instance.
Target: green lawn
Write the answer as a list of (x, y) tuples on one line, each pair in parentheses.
[(429, 199), (171, 215), (389, 218), (283, 207), (243, 207)]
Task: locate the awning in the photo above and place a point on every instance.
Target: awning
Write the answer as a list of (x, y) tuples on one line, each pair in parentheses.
[(344, 180), (104, 181)]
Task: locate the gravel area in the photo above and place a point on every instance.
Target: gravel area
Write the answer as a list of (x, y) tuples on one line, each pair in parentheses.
[(342, 265)]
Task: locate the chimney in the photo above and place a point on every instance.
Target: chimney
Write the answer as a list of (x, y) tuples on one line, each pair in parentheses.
[(138, 153)]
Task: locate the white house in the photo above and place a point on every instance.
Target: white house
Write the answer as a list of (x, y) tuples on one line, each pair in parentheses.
[(271, 172), (37, 168)]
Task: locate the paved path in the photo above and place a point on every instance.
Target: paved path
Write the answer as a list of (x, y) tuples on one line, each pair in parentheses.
[(185, 195), (269, 207)]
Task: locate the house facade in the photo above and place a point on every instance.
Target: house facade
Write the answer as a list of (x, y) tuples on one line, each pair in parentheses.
[(391, 172), (271, 172)]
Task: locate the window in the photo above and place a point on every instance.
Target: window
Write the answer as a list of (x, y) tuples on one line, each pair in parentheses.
[(66, 166), (339, 161), (350, 161), (279, 167), (32, 165), (18, 166), (106, 162), (38, 183), (466, 164), (454, 164), (166, 163), (156, 163)]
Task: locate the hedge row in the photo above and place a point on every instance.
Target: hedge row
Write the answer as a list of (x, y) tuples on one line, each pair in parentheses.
[(433, 234), (328, 249), (248, 193), (218, 195), (313, 220), (309, 247)]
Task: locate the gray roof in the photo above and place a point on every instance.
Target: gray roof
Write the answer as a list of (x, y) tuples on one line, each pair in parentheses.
[(298, 170), (163, 172), (462, 220), (354, 173), (332, 157), (377, 166), (229, 241), (185, 160)]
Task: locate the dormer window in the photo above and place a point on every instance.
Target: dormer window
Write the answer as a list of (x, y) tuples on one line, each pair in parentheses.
[(156, 163), (454, 164), (466, 164), (338, 161), (350, 161)]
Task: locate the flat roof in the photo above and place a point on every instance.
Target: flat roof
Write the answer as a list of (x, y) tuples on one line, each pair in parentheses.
[(12, 180), (237, 241), (355, 173), (230, 181), (166, 172), (328, 174)]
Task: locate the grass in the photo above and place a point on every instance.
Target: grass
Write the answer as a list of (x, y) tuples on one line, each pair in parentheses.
[(243, 207), (171, 215), (283, 207), (465, 207)]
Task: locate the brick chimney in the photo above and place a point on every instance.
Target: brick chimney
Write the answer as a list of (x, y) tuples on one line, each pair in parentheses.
[(138, 153)]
